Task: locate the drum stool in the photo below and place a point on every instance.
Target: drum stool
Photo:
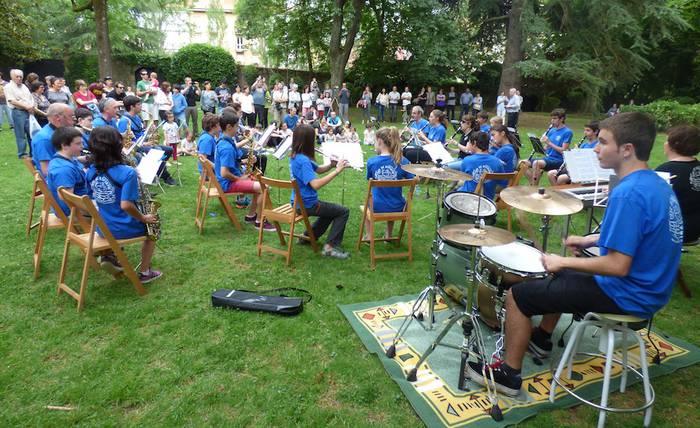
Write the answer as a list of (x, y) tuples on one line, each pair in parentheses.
[(608, 324)]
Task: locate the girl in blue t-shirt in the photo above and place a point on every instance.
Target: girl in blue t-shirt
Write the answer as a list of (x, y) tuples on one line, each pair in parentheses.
[(115, 189), (387, 166), (506, 151), (436, 130), (303, 169)]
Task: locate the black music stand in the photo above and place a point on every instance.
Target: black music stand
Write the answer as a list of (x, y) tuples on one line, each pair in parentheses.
[(536, 146)]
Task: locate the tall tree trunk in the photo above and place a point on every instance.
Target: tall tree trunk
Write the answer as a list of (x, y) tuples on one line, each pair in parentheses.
[(510, 76), (307, 40), (104, 47), (339, 52)]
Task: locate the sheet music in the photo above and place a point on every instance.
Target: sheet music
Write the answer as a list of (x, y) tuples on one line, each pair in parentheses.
[(352, 152), (438, 151), (265, 136), (583, 166), (284, 147), (149, 165)]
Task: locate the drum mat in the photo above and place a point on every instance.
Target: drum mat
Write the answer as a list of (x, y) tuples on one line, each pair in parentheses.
[(435, 396)]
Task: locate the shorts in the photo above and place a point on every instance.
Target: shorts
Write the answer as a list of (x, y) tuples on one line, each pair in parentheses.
[(551, 163), (568, 292), (243, 185)]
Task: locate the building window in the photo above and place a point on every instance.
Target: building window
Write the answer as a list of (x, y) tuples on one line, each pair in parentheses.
[(240, 46)]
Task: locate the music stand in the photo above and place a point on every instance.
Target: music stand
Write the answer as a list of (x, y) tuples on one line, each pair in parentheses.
[(536, 146)]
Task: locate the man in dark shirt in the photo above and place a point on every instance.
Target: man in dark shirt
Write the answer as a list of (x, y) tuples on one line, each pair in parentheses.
[(118, 94), (191, 93), (681, 148)]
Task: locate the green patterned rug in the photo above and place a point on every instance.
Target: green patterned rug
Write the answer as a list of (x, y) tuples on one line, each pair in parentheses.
[(435, 395)]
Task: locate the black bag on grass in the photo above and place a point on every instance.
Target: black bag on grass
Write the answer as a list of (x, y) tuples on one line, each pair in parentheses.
[(275, 301)]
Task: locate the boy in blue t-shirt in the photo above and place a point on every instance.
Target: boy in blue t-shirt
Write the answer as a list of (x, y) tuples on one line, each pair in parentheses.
[(590, 140), (206, 144), (64, 170), (482, 118), (480, 163), (556, 141), (387, 166), (640, 247), (115, 190)]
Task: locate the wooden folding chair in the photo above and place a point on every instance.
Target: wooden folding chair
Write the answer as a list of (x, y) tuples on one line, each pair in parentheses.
[(48, 220), (500, 205), (403, 216), (34, 196), (91, 243), (289, 214), (209, 188)]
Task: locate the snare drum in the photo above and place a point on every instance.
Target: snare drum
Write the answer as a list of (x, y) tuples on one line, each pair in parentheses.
[(463, 207), (506, 265)]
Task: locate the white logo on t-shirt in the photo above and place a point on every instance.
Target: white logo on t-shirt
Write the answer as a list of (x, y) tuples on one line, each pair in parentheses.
[(675, 220), (103, 191), (695, 179), (479, 171), (385, 172)]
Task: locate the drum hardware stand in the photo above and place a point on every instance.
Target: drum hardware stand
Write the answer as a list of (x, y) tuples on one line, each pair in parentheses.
[(545, 231)]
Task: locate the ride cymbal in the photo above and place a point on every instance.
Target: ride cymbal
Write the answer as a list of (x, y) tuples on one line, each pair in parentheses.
[(472, 236), (541, 201), (432, 171)]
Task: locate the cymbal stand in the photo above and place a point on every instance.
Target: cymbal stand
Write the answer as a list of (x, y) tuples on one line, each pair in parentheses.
[(544, 228)]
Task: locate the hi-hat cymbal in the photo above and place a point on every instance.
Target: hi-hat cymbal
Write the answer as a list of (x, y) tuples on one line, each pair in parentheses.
[(431, 171), (470, 235), (541, 201)]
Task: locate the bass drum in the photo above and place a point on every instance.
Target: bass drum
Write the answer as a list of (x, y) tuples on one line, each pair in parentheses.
[(504, 265), (452, 263), (463, 207)]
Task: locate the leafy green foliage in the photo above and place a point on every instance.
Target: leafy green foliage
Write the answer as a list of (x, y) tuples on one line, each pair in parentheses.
[(81, 66), (159, 62), (204, 62), (669, 113), (16, 42)]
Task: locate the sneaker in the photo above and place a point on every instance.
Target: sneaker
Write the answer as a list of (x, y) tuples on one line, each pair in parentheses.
[(170, 181), (110, 264), (250, 218), (508, 384), (540, 345), (149, 276), (267, 226), (336, 252)]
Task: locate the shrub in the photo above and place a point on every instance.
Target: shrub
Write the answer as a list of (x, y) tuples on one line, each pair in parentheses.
[(83, 67), (669, 113), (204, 62), (153, 61), (250, 73)]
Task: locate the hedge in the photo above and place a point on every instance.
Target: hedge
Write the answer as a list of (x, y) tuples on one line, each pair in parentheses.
[(669, 113), (204, 62)]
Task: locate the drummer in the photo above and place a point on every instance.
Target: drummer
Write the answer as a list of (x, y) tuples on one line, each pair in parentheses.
[(640, 247), (478, 164)]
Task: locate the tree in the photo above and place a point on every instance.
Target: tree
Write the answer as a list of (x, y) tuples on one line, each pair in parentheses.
[(338, 49), (205, 62), (16, 44), (104, 47)]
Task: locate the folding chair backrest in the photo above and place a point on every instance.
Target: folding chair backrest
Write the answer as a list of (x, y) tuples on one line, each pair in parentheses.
[(409, 182), (498, 176), (48, 198), (29, 163), (80, 204), (267, 183), (211, 175), (520, 170)]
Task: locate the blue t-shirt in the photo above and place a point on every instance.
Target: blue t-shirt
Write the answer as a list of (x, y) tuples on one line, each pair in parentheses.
[(643, 220), (206, 145), (291, 121), (588, 145), (303, 170), (119, 183), (42, 149), (436, 133), (485, 128), (69, 174), (421, 124), (559, 137), (136, 125), (179, 103), (101, 121), (477, 165), (334, 121), (506, 153), (86, 138), (227, 155), (387, 199)]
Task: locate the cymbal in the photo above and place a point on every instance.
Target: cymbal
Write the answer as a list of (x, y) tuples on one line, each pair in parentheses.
[(431, 171), (470, 235), (541, 201)]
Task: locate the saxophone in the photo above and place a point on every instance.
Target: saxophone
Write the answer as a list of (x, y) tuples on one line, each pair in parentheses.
[(146, 204), (128, 137)]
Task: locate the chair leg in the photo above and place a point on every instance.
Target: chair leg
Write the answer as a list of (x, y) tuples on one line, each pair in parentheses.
[(623, 378), (64, 265), (568, 352), (362, 228), (32, 199), (229, 212), (310, 233), (260, 235), (203, 214), (198, 208), (280, 234), (373, 262), (129, 271), (645, 377), (290, 244), (410, 240), (39, 246), (681, 283), (607, 374), (400, 235), (83, 279)]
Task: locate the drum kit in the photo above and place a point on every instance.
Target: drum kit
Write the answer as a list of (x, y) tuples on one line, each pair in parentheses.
[(475, 264)]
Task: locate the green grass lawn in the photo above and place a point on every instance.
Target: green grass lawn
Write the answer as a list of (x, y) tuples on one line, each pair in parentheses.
[(169, 359)]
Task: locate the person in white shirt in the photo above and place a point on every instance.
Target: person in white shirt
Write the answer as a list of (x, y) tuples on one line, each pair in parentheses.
[(294, 97), (501, 105), (513, 108), (171, 130), (164, 101), (369, 136), (406, 98), (188, 147), (236, 97), (394, 98), (278, 102), (382, 103), (305, 101), (247, 107), (21, 103)]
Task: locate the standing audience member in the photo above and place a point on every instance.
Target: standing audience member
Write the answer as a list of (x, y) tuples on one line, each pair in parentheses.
[(429, 100), (179, 105), (146, 91), (477, 104), (406, 98), (259, 92), (501, 105), (382, 104), (344, 102), (513, 109), (394, 99), (208, 99), (451, 103), (41, 103), (164, 101), (21, 103), (223, 94), (55, 94), (247, 107), (191, 92), (465, 101)]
